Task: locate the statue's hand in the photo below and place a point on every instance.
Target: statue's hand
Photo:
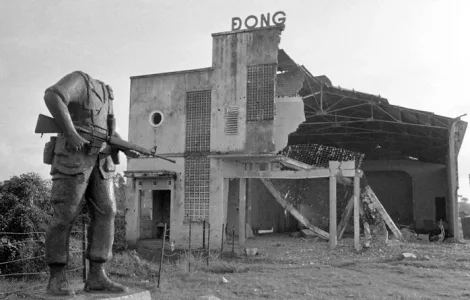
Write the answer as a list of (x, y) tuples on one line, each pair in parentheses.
[(75, 142), (131, 153)]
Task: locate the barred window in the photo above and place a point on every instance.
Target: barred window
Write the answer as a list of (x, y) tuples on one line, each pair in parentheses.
[(260, 92), (196, 188), (198, 121)]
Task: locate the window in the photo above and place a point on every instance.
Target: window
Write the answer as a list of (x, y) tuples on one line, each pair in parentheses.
[(156, 118), (260, 92), (198, 121)]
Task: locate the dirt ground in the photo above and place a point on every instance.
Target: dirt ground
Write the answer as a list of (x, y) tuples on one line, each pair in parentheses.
[(295, 268)]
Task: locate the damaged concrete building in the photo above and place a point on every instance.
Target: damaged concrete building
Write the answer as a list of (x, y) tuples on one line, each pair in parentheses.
[(239, 121)]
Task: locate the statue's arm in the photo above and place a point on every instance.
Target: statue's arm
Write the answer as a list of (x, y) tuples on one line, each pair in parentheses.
[(56, 102)]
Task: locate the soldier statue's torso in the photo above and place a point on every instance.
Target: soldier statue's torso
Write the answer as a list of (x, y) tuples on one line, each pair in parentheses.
[(89, 102)]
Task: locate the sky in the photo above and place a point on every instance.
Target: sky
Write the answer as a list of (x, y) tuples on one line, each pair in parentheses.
[(414, 53)]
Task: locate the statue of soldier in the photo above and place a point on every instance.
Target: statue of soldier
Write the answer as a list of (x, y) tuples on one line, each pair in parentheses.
[(82, 171)]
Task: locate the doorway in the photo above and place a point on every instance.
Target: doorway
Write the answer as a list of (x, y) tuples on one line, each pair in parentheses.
[(161, 212), (155, 211)]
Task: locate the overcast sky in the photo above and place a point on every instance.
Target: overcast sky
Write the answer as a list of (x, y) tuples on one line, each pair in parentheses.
[(414, 53)]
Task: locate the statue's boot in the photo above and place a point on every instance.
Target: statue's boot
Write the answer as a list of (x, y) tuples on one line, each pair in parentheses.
[(98, 281), (58, 284)]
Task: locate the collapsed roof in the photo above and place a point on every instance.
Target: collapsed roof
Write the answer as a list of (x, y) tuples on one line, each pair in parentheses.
[(363, 122)]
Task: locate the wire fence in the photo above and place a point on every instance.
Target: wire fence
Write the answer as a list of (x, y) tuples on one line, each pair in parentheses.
[(23, 254)]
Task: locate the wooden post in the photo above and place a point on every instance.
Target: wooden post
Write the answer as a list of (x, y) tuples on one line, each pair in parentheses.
[(357, 190), (161, 256), (84, 246), (333, 236), (345, 217), (452, 176), (242, 214)]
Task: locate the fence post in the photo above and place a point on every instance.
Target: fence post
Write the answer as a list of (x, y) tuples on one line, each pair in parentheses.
[(233, 239), (161, 257), (204, 234), (189, 257), (208, 241), (222, 243), (84, 246)]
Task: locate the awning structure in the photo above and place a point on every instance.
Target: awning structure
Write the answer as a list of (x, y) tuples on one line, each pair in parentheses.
[(150, 174), (363, 122)]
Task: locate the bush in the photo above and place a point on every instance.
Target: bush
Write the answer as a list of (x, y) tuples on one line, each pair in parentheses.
[(120, 243), (25, 207)]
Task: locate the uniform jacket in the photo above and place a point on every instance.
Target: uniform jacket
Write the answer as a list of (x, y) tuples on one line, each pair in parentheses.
[(89, 102)]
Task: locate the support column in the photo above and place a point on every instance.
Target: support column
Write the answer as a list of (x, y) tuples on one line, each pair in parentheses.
[(333, 236), (452, 183), (357, 189), (242, 214), (249, 184), (133, 211)]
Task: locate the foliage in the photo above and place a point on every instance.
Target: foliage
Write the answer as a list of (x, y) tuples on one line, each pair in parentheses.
[(120, 192), (120, 243), (24, 208)]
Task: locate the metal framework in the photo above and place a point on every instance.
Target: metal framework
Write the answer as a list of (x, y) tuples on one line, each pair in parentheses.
[(363, 122)]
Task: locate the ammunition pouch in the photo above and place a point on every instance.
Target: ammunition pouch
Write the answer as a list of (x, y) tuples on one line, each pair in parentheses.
[(48, 154)]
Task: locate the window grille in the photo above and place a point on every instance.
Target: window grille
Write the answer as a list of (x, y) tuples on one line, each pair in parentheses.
[(196, 188), (260, 92), (198, 121)]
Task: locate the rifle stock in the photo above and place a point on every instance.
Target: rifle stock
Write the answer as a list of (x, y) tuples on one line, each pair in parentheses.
[(47, 124)]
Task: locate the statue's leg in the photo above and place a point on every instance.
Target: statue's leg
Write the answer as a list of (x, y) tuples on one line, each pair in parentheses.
[(66, 198), (102, 205)]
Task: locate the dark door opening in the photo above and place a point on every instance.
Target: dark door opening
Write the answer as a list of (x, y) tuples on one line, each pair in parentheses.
[(161, 212), (441, 211)]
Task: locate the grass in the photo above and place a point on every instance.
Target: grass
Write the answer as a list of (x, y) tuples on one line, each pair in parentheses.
[(293, 268)]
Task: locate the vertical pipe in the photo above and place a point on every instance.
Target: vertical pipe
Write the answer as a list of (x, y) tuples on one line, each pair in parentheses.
[(161, 257), (189, 257), (356, 210), (208, 241), (222, 243), (204, 234), (84, 246), (332, 212), (242, 214)]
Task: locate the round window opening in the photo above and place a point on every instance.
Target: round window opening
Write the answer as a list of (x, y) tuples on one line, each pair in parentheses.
[(156, 118)]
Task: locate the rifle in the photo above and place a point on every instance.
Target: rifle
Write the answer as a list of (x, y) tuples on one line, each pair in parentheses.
[(47, 124)]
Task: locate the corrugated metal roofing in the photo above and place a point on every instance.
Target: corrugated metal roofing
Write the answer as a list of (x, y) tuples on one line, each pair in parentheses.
[(364, 122)]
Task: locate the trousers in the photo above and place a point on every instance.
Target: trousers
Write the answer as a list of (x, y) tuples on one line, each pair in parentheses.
[(69, 193)]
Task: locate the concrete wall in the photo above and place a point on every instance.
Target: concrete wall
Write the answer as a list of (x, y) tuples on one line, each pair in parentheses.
[(166, 93), (231, 55), (395, 191), (428, 181), (227, 80)]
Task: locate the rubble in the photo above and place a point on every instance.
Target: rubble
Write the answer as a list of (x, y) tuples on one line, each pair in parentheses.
[(408, 256)]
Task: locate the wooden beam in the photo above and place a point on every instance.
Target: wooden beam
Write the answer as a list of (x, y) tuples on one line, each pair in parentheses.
[(294, 212), (377, 205), (303, 174), (333, 237), (356, 197), (295, 164), (347, 213), (242, 214)]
